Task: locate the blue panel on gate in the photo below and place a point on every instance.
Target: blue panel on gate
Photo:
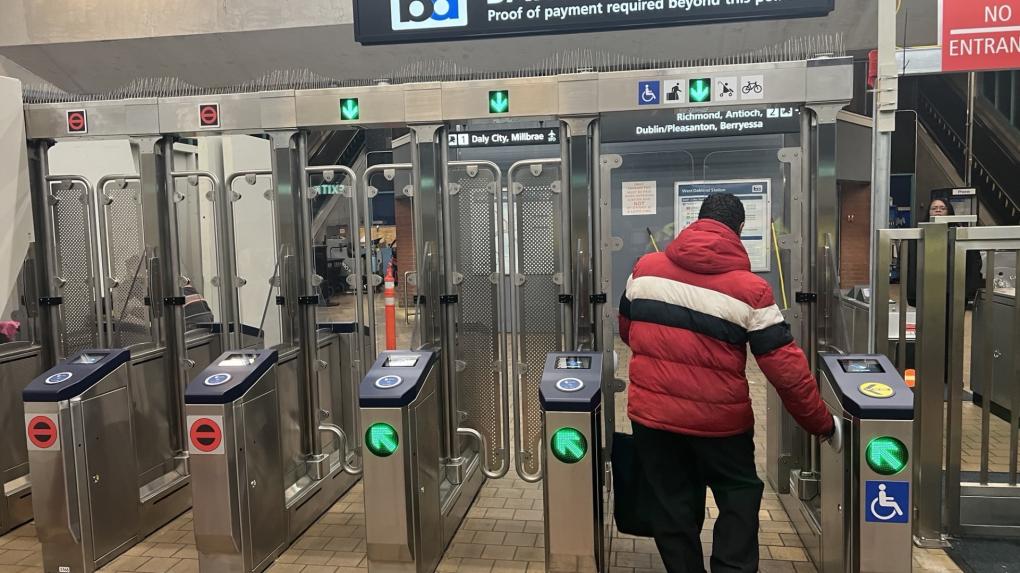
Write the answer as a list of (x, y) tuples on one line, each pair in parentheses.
[(887, 501)]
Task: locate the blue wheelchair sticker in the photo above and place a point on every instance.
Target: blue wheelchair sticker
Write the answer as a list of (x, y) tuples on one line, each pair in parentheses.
[(648, 92), (887, 501)]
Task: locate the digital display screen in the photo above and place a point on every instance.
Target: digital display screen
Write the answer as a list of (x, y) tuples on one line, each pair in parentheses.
[(861, 366), (408, 361), (238, 360), (573, 363), (86, 358)]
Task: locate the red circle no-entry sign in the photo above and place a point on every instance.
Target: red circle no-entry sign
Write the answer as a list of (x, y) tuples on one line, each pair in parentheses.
[(206, 435)]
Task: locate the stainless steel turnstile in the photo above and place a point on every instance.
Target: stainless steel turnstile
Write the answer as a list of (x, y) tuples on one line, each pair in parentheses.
[(81, 449), (19, 364), (578, 482), (233, 418), (858, 519), (412, 509)]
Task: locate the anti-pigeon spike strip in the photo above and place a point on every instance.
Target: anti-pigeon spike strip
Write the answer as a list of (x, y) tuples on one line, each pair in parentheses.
[(442, 70)]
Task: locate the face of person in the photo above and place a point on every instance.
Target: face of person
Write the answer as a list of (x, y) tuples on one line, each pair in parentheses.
[(938, 208)]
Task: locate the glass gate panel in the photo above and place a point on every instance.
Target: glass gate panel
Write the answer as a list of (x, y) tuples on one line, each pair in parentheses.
[(121, 216), (335, 228), (536, 278), (474, 194), (74, 236), (256, 255)]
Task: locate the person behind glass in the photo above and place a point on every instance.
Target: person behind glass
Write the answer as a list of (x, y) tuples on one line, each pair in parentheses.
[(196, 308), (689, 314), (973, 281)]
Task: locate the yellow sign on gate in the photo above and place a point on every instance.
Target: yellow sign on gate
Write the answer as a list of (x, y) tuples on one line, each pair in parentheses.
[(876, 390)]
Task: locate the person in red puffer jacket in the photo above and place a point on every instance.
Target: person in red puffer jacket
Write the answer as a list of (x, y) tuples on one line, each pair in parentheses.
[(688, 315)]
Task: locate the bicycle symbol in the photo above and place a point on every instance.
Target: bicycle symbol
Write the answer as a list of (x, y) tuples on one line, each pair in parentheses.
[(750, 86)]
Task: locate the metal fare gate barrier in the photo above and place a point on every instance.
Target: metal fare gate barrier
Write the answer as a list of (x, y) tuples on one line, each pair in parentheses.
[(865, 490), (958, 493)]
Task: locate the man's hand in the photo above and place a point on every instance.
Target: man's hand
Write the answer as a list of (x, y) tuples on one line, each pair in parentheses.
[(835, 438)]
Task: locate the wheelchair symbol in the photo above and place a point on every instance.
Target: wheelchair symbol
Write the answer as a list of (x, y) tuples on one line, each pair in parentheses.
[(885, 507)]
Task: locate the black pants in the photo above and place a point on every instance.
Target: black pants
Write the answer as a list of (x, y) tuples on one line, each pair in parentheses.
[(679, 468)]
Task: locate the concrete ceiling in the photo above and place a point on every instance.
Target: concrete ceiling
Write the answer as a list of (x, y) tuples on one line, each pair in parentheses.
[(225, 58)]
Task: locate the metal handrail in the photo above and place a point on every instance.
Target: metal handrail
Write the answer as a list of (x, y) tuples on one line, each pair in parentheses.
[(515, 335), (341, 436)]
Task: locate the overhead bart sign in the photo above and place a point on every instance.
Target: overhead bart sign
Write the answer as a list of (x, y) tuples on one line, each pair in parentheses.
[(408, 21)]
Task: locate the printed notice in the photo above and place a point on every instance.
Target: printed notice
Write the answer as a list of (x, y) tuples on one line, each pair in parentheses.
[(755, 194), (638, 198)]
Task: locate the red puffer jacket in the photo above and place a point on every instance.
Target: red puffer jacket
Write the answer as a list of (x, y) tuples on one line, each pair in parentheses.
[(688, 315)]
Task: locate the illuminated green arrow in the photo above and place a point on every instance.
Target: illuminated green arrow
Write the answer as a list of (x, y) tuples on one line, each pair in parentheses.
[(381, 439), (569, 445), (349, 109), (886, 455), (700, 90), (499, 101)]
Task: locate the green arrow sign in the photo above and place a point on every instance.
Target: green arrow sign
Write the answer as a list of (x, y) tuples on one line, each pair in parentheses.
[(381, 439), (886, 455), (349, 109), (569, 445), (499, 101), (700, 90)]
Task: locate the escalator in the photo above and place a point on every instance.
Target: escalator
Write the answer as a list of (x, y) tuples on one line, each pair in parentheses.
[(941, 106)]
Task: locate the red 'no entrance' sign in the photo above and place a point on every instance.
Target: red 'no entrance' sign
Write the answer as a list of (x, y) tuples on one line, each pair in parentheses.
[(209, 115), (77, 121), (206, 435), (980, 35), (42, 432)]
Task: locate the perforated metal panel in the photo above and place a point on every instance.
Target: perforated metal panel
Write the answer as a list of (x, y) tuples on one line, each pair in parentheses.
[(537, 223), (75, 247), (124, 222), (480, 342)]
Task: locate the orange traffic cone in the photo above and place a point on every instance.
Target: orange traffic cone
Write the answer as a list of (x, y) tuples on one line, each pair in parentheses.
[(910, 377), (390, 295)]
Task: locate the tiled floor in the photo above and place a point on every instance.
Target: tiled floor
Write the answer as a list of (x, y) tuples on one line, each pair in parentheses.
[(503, 531)]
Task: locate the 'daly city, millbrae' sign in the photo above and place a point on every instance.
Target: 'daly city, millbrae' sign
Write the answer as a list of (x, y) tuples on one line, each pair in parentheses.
[(404, 21)]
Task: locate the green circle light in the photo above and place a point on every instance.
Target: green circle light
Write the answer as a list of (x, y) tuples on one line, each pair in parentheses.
[(569, 445), (381, 439), (886, 455)]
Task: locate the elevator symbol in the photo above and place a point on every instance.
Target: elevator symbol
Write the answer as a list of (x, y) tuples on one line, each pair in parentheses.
[(886, 501)]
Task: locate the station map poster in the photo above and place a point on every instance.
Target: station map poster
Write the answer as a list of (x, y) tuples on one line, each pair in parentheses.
[(755, 194), (407, 21)]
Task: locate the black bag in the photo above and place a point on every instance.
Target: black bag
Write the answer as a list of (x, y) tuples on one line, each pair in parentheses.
[(633, 507)]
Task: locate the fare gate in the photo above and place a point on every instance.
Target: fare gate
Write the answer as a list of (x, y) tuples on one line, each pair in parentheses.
[(79, 428)]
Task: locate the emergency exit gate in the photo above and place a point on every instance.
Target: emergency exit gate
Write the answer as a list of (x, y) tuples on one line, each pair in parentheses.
[(562, 242)]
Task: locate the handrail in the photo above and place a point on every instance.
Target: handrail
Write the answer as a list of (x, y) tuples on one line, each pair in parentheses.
[(515, 373), (341, 436)]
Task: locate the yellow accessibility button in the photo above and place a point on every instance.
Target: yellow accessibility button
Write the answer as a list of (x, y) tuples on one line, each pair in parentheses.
[(876, 390)]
